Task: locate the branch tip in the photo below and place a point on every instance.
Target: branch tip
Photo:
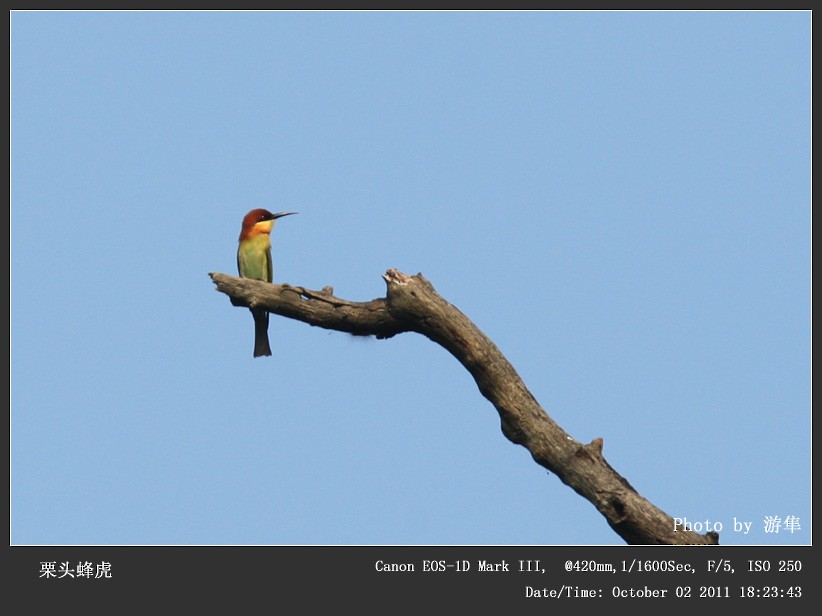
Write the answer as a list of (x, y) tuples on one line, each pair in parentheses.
[(395, 276)]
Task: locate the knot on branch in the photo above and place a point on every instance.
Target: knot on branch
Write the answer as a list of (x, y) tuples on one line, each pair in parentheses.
[(592, 451)]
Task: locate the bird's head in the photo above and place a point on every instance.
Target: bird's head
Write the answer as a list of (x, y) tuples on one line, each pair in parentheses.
[(259, 221)]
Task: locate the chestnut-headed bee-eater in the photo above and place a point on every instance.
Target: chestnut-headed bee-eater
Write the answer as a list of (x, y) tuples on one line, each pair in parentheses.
[(254, 261)]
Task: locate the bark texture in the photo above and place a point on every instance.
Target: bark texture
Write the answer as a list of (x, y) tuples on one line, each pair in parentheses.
[(412, 305)]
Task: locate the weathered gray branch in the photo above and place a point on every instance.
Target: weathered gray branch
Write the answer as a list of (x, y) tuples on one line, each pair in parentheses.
[(412, 305)]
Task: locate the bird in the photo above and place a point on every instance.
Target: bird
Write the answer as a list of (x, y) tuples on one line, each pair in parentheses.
[(254, 261)]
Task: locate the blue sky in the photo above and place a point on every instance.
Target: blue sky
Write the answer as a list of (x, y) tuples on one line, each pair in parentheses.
[(619, 200)]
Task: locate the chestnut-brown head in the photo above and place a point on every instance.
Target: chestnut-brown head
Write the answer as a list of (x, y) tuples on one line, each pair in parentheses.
[(259, 221)]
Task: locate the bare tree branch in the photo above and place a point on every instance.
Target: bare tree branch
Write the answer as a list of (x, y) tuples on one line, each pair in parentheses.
[(412, 305)]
